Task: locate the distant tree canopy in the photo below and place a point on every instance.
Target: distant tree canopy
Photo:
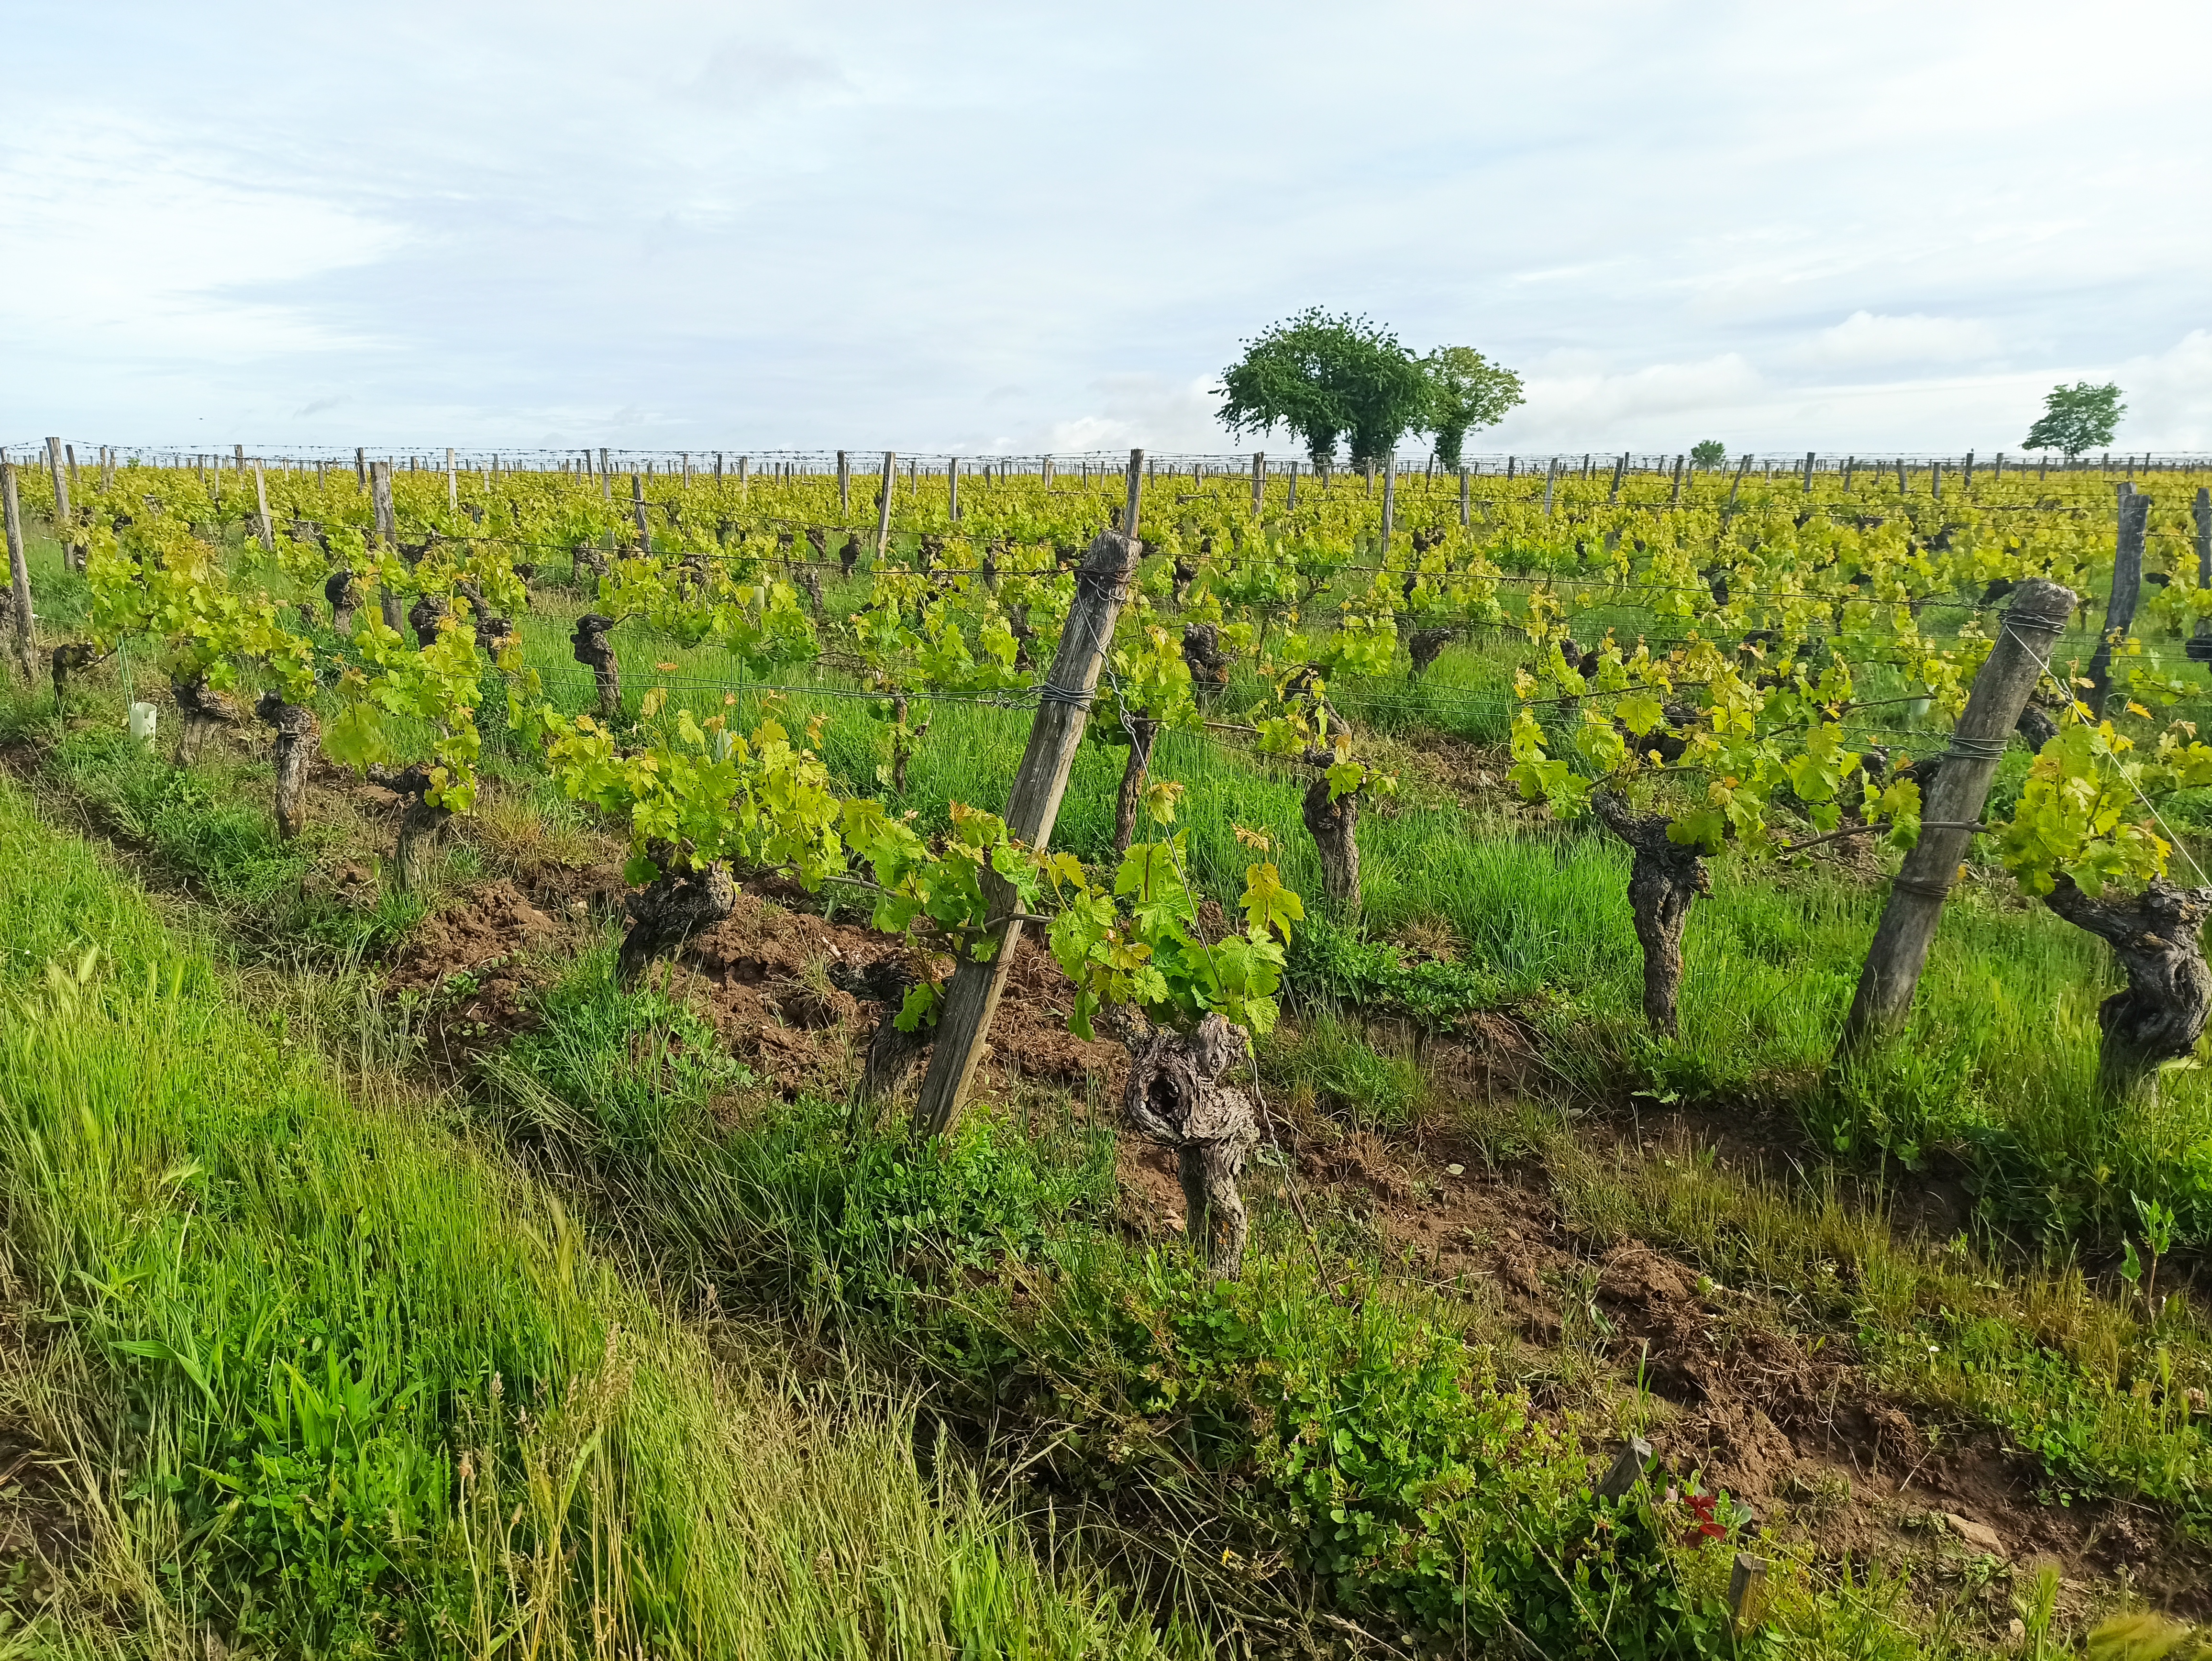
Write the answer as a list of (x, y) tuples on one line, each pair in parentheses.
[(1344, 378), (1465, 390), (2077, 419), (1708, 452)]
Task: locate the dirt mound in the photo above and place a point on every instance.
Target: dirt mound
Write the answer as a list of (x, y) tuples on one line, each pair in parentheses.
[(764, 977)]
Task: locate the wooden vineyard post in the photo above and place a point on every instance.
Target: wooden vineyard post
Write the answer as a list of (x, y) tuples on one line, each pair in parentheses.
[(1620, 472), (2030, 627), (883, 503), (1901, 486), (1389, 507), (1293, 504), (637, 509), (261, 506), (1808, 473), (952, 488), (361, 465), (1742, 467), (844, 485), (54, 465), (971, 997), (1746, 1593), (2127, 592), (1551, 479), (22, 625), (1466, 485), (1966, 474), (2204, 552), (387, 532), (606, 479), (1259, 482), (452, 483), (1677, 502)]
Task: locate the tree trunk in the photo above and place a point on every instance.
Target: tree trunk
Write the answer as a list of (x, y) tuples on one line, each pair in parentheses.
[(1663, 879), (296, 728), (204, 710), (595, 651), (673, 907), (1143, 729), (1334, 827), (2156, 935), (1177, 1097)]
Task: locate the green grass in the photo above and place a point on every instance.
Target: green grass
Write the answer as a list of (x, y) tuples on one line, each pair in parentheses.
[(324, 1381)]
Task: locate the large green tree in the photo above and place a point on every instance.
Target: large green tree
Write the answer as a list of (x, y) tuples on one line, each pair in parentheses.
[(1465, 390), (2077, 419), (1327, 378)]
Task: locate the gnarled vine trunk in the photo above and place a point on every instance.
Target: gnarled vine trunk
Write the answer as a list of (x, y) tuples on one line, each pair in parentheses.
[(343, 595), (892, 1055), (1177, 1096), (424, 616), (1334, 827), (1142, 731), (204, 710), (1664, 879), (2157, 937), (1207, 663), (296, 728), (597, 653), (66, 660), (671, 908), (422, 827), (1425, 645), (589, 565)]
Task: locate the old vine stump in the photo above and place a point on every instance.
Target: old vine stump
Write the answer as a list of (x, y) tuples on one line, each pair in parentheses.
[(2157, 937), (1177, 1097)]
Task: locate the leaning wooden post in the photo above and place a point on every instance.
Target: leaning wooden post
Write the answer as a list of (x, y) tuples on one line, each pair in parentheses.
[(19, 581), (1259, 482), (883, 503), (971, 998), (261, 505), (2127, 592), (1620, 472), (1677, 502), (2031, 628), (1292, 504), (1551, 479)]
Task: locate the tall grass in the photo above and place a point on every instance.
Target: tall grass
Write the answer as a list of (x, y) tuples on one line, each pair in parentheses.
[(326, 1381)]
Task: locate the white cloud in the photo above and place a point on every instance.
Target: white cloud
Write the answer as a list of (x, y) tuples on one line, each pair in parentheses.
[(1870, 338)]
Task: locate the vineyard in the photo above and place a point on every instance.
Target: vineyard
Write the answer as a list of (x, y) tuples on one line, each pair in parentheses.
[(864, 1055)]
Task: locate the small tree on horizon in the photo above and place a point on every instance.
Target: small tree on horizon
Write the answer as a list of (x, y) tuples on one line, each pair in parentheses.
[(1327, 378), (2077, 419), (1708, 452), (1465, 390)]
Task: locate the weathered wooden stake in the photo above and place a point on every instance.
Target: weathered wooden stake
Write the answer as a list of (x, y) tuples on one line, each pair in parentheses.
[(637, 509), (361, 465), (1465, 506), (70, 558), (22, 626), (1620, 472), (952, 486), (883, 503), (1628, 1468), (1746, 1593), (2031, 625), (1389, 506), (1677, 502), (261, 504), (452, 483), (972, 996), (2127, 592), (1259, 482), (1294, 484), (1808, 473), (1551, 479), (387, 532), (1742, 467)]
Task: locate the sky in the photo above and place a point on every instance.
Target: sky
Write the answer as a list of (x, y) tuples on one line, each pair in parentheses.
[(974, 228)]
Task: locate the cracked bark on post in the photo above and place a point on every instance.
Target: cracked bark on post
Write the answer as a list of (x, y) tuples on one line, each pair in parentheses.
[(1176, 1096), (296, 729), (2158, 1017), (1664, 879), (597, 653), (672, 909)]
